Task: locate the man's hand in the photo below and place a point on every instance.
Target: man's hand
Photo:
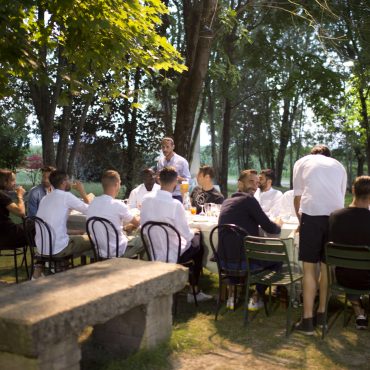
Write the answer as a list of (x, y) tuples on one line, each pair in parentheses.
[(20, 192)]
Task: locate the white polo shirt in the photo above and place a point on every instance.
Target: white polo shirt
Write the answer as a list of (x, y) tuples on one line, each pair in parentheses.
[(118, 213), (267, 199), (136, 196), (160, 206), (54, 209), (321, 182)]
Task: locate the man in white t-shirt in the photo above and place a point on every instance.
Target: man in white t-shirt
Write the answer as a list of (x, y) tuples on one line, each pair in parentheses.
[(54, 209), (136, 196), (319, 184), (161, 206), (266, 195), (117, 212)]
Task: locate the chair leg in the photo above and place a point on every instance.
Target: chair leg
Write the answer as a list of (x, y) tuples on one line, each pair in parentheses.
[(15, 264), (234, 298), (25, 261), (345, 311), (194, 294), (246, 311), (326, 324), (289, 310), (220, 286)]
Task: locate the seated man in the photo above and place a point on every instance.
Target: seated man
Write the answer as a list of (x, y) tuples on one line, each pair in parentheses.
[(117, 212), (243, 210), (11, 234), (161, 206), (266, 195), (351, 226), (205, 192), (284, 207), (38, 192), (54, 209), (136, 196)]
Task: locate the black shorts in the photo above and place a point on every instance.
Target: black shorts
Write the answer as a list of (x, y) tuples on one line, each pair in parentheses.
[(312, 238)]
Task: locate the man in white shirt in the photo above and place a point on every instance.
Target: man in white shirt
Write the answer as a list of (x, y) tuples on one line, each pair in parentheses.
[(160, 206), (319, 184), (181, 165), (54, 209), (136, 196), (266, 195), (117, 212)]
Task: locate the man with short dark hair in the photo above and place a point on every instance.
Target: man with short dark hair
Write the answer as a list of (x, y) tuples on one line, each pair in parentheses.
[(54, 209), (243, 210), (181, 165), (136, 196), (160, 206), (319, 184), (351, 226), (266, 195), (205, 192), (38, 192), (116, 211)]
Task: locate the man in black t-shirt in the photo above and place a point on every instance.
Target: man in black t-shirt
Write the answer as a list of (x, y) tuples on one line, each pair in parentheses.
[(205, 192), (352, 226)]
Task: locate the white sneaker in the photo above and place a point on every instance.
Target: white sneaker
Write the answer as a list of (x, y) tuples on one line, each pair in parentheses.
[(230, 303), (255, 305), (201, 297)]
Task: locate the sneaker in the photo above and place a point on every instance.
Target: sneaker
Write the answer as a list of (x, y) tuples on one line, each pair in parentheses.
[(38, 277), (305, 326), (230, 303), (255, 305), (361, 322), (319, 320), (201, 297)]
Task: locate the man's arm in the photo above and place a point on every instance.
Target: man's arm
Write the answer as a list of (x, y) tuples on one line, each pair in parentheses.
[(297, 204), (261, 218), (78, 185)]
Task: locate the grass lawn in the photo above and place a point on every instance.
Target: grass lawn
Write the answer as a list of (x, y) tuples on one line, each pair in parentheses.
[(199, 342)]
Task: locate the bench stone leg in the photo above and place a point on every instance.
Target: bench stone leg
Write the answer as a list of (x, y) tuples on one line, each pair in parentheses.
[(64, 355), (141, 327)]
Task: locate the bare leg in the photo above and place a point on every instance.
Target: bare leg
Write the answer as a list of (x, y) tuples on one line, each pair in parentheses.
[(357, 308), (309, 288), (323, 287)]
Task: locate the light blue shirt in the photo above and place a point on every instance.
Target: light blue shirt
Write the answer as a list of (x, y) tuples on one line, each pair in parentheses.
[(181, 165), (34, 198)]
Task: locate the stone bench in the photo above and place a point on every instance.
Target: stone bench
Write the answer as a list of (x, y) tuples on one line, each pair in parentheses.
[(128, 303)]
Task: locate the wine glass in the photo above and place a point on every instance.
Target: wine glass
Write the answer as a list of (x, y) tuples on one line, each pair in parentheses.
[(202, 213)]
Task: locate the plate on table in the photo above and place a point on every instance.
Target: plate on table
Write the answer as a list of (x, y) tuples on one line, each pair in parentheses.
[(197, 218)]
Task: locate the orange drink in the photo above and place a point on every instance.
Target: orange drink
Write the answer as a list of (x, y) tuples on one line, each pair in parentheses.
[(184, 187), (193, 210)]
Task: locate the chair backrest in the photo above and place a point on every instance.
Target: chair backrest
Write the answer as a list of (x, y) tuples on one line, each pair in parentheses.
[(37, 225), (162, 241), (267, 249), (348, 256), (101, 233), (229, 252)]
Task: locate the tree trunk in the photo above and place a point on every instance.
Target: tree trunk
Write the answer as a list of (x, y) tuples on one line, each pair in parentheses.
[(64, 131), (198, 40), (365, 124), (212, 126), (131, 137), (225, 147)]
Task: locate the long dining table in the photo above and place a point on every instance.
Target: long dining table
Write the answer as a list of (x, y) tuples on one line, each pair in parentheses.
[(77, 221)]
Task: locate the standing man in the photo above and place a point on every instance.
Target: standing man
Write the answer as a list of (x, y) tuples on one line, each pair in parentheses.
[(38, 192), (319, 184), (205, 192), (266, 195), (136, 196), (181, 165)]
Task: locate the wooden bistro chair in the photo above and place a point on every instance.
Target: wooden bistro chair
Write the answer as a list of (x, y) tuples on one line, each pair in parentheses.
[(55, 264), (271, 250), (99, 226), (167, 229), (347, 256), (230, 272), (8, 251)]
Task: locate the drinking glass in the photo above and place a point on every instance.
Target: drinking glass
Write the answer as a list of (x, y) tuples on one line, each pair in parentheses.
[(202, 213)]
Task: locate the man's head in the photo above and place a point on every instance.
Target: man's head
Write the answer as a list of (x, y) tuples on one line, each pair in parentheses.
[(321, 149), (111, 182), (168, 147), (205, 176), (248, 181), (60, 180), (45, 174), (148, 177), (361, 188), (168, 179), (7, 180), (266, 179)]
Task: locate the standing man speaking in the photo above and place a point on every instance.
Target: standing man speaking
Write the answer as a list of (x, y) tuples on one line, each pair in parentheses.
[(171, 159), (319, 184)]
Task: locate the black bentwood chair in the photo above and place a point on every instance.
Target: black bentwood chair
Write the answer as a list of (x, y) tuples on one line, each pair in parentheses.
[(230, 258), (151, 249), (55, 264), (99, 226)]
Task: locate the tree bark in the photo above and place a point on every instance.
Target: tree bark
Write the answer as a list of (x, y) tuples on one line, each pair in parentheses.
[(198, 44), (64, 131), (225, 147)]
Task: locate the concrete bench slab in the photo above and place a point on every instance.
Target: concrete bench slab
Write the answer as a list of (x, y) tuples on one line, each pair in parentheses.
[(128, 302)]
